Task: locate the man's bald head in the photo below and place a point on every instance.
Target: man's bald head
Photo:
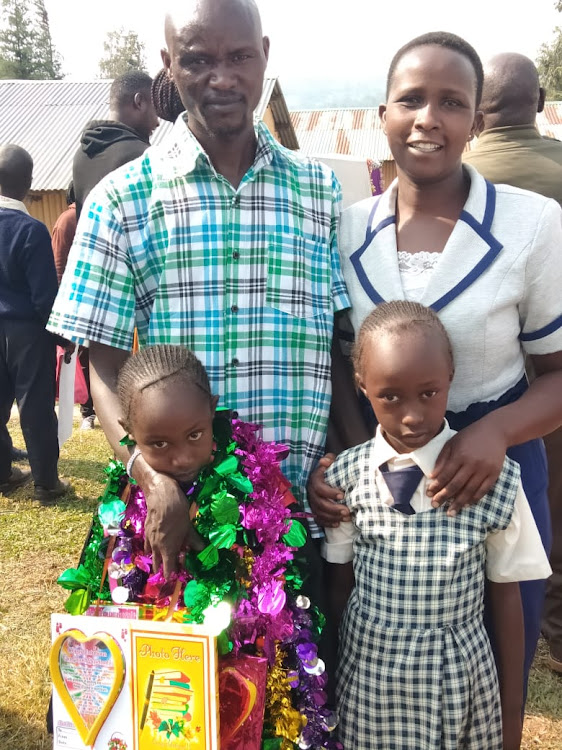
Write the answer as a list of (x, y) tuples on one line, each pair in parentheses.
[(16, 169), (511, 94), (217, 56), (182, 13)]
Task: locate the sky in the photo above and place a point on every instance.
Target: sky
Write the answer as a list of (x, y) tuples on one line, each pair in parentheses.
[(327, 40)]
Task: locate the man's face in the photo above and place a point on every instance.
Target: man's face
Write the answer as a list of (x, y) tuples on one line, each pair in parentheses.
[(218, 61)]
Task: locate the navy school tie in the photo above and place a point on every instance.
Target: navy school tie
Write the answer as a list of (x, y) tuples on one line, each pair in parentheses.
[(402, 485)]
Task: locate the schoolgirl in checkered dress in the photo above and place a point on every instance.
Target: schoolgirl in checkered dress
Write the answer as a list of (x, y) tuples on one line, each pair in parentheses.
[(416, 670)]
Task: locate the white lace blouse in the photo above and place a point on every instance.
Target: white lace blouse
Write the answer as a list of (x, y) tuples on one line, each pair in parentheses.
[(415, 272)]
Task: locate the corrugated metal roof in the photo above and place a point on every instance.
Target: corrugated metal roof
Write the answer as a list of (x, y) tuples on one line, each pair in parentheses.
[(355, 132), (549, 121), (47, 118)]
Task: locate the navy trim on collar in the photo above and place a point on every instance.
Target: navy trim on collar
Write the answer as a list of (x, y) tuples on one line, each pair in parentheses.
[(483, 230)]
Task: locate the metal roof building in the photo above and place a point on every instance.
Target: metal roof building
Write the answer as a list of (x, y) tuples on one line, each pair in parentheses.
[(353, 132), (47, 118), (359, 133)]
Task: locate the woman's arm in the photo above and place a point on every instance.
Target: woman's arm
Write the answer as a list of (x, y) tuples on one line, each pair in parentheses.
[(471, 461), (507, 614)]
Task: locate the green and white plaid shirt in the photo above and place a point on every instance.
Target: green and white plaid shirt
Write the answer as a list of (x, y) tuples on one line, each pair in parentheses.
[(248, 278)]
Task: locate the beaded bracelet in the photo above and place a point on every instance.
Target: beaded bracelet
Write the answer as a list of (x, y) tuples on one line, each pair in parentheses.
[(134, 455)]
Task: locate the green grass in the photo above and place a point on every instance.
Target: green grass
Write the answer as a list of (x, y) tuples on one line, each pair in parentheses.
[(37, 544)]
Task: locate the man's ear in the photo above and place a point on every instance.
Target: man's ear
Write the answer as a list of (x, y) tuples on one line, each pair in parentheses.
[(167, 60), (382, 115), (265, 43), (542, 99)]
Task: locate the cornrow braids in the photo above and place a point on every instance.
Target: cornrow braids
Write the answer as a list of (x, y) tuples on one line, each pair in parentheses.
[(166, 97), (154, 364), (393, 318)]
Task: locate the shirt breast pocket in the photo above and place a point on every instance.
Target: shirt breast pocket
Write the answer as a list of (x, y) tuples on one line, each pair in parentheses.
[(298, 276)]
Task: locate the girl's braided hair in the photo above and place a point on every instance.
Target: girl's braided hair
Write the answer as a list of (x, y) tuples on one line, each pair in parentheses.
[(395, 317), (154, 364), (166, 97)]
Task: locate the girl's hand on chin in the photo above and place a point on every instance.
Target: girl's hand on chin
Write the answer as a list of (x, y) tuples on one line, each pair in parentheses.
[(468, 466)]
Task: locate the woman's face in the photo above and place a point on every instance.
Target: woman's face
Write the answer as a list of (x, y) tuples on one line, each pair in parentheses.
[(430, 113)]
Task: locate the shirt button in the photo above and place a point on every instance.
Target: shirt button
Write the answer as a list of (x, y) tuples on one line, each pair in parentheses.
[(236, 255), (235, 361), (235, 201), (234, 308)]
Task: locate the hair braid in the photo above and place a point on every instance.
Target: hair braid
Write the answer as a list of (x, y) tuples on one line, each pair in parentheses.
[(154, 364), (395, 317), (166, 97)]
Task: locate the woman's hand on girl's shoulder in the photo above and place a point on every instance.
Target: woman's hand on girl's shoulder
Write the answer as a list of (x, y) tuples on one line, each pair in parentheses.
[(323, 497), (468, 466)]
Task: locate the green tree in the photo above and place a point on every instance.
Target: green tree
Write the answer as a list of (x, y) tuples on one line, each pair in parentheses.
[(17, 41), (549, 65), (123, 52), (26, 48), (48, 58)]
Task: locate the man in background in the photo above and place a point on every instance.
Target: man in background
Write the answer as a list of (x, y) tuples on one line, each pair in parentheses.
[(510, 150), (106, 145), (63, 232), (28, 287)]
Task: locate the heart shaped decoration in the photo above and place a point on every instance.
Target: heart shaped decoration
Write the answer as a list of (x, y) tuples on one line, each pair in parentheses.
[(87, 672)]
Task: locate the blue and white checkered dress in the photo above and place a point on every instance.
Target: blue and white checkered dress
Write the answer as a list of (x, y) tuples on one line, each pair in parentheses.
[(416, 668)]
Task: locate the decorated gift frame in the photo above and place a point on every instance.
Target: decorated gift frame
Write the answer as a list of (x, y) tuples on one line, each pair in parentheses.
[(126, 684)]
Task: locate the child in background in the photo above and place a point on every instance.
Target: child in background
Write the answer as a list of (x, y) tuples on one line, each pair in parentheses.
[(416, 668), (248, 576)]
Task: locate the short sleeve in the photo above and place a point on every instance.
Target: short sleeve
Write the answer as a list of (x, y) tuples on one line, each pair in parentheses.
[(339, 291), (516, 553), (541, 309), (338, 544), (344, 472), (96, 299)]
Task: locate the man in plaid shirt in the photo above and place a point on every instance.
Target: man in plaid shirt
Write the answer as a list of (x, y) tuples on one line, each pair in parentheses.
[(221, 240)]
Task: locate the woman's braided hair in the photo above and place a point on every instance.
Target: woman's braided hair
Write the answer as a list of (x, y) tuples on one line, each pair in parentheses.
[(395, 317), (154, 364), (166, 97)]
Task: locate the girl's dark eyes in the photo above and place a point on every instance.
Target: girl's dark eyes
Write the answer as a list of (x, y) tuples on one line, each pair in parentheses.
[(429, 394), (389, 398), (160, 444), (196, 435)]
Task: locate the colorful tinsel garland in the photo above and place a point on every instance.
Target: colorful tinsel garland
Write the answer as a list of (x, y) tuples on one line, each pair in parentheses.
[(249, 563)]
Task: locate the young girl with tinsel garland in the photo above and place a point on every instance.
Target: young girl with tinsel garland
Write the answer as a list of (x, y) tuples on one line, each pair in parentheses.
[(241, 507)]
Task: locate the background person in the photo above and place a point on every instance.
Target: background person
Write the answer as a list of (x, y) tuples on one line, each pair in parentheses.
[(28, 286), (106, 145)]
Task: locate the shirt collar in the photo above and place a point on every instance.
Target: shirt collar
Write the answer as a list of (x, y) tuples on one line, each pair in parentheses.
[(425, 457), (184, 152), (12, 203)]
